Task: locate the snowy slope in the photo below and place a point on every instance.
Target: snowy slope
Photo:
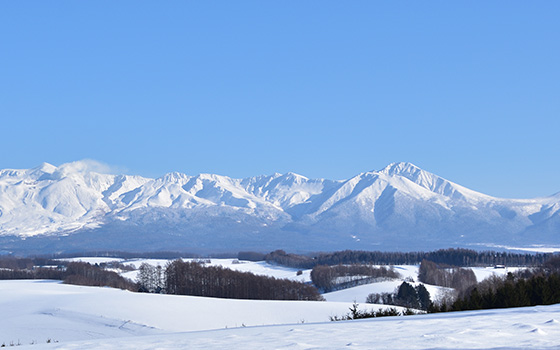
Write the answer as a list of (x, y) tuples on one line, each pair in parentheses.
[(523, 328), (399, 207), (39, 310), (103, 318), (48, 199)]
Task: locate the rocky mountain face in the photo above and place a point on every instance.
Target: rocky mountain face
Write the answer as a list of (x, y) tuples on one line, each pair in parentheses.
[(401, 207)]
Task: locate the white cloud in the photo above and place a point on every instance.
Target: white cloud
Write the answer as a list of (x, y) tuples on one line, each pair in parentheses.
[(90, 165)]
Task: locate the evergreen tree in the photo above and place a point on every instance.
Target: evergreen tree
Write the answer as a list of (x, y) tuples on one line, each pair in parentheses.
[(423, 297), (407, 296)]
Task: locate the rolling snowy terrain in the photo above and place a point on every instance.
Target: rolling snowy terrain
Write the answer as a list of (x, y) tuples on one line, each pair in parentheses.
[(348, 295), (401, 207), (521, 328), (76, 317)]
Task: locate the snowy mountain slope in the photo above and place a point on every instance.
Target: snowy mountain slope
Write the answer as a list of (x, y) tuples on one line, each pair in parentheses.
[(47, 199), (398, 207)]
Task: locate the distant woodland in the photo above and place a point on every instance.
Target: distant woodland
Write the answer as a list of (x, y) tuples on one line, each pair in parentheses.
[(449, 257), (78, 273), (329, 278), (539, 284), (193, 278), (530, 287)]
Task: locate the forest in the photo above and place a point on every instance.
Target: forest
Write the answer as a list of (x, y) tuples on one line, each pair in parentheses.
[(78, 273), (193, 278), (437, 275), (450, 257), (529, 287), (330, 278)]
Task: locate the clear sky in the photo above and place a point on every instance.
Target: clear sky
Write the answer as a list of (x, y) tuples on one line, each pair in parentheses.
[(468, 90)]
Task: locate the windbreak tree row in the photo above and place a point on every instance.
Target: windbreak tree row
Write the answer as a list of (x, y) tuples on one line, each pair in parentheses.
[(450, 257), (329, 278), (193, 278), (456, 278), (79, 273)]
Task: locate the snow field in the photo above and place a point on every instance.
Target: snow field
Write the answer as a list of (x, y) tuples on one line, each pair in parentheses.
[(77, 317), (37, 310), (519, 328), (40, 310)]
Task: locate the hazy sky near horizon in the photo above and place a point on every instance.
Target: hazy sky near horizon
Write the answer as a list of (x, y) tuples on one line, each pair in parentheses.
[(328, 89)]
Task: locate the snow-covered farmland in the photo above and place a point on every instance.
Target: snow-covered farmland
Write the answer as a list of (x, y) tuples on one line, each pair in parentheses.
[(76, 317), (103, 318), (37, 310)]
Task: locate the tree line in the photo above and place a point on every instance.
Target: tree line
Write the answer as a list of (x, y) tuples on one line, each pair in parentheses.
[(329, 278), (79, 273), (194, 278), (451, 257), (356, 314), (456, 278), (178, 277), (406, 295), (510, 291), (13, 263), (538, 286)]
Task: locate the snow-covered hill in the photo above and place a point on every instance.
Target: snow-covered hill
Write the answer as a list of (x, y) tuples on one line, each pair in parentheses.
[(401, 207), (74, 317)]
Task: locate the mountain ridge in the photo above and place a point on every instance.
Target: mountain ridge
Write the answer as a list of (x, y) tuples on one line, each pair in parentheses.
[(399, 206)]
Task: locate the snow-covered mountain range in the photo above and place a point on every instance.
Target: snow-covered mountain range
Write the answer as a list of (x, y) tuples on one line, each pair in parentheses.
[(70, 207)]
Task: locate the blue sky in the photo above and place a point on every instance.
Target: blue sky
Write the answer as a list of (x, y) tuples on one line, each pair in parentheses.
[(467, 90)]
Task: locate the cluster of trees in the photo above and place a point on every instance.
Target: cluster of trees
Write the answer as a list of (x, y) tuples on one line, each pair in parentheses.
[(539, 286), (451, 257), (150, 278), (251, 256), (33, 273), (456, 278), (193, 278), (280, 257), (85, 274), (504, 292), (26, 268), (356, 314), (79, 273), (406, 295), (13, 263), (329, 278)]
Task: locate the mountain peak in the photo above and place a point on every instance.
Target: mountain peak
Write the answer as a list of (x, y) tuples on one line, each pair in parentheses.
[(45, 168), (294, 176), (177, 211), (427, 180), (400, 168), (174, 176)]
